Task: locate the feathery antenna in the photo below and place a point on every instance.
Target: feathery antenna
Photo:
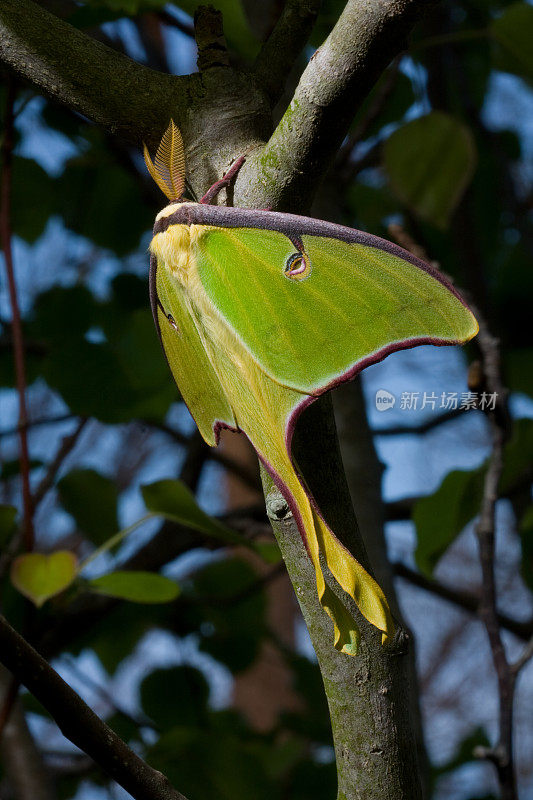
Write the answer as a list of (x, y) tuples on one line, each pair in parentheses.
[(168, 167)]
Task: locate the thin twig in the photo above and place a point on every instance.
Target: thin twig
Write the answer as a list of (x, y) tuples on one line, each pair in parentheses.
[(525, 656), (18, 338), (252, 589), (467, 601), (79, 723), (424, 427), (216, 455), (36, 423), (169, 19), (502, 754), (65, 447), (107, 697), (24, 768), (383, 92)]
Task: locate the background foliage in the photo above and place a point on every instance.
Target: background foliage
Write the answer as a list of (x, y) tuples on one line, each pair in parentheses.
[(441, 148)]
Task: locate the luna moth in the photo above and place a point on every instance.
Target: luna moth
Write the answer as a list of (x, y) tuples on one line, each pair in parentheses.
[(260, 312)]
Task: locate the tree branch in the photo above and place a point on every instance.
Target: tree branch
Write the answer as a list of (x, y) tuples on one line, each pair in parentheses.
[(464, 600), (65, 447), (424, 427), (368, 695), (284, 45), (79, 723), (502, 754), (525, 656), (210, 39), (28, 533), (367, 36), (71, 67)]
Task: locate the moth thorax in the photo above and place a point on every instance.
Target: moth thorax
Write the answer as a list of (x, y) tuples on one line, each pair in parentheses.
[(173, 247)]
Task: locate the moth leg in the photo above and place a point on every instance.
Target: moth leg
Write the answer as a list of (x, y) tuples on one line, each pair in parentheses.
[(169, 317), (223, 183)]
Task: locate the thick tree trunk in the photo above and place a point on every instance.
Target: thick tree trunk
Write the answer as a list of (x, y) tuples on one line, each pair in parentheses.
[(368, 695)]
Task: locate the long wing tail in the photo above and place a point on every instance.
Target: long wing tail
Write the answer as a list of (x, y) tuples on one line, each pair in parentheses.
[(346, 570)]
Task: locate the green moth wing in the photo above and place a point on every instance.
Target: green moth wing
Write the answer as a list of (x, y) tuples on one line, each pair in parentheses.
[(315, 302), (186, 356), (357, 301)]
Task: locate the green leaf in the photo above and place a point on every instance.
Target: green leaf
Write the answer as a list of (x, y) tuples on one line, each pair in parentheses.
[(518, 456), (269, 552), (117, 633), (174, 501), (519, 369), (430, 162), (38, 576), (11, 468), (221, 591), (440, 517), (31, 181), (136, 586), (91, 499), (8, 516), (513, 32), (178, 694), (103, 202), (63, 313), (210, 764), (90, 380)]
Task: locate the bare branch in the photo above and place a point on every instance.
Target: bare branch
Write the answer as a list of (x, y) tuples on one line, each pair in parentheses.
[(284, 45), (464, 600), (525, 656), (502, 754), (169, 19), (79, 723), (35, 423), (418, 430), (71, 67), (383, 93), (65, 448), (28, 533), (210, 39)]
